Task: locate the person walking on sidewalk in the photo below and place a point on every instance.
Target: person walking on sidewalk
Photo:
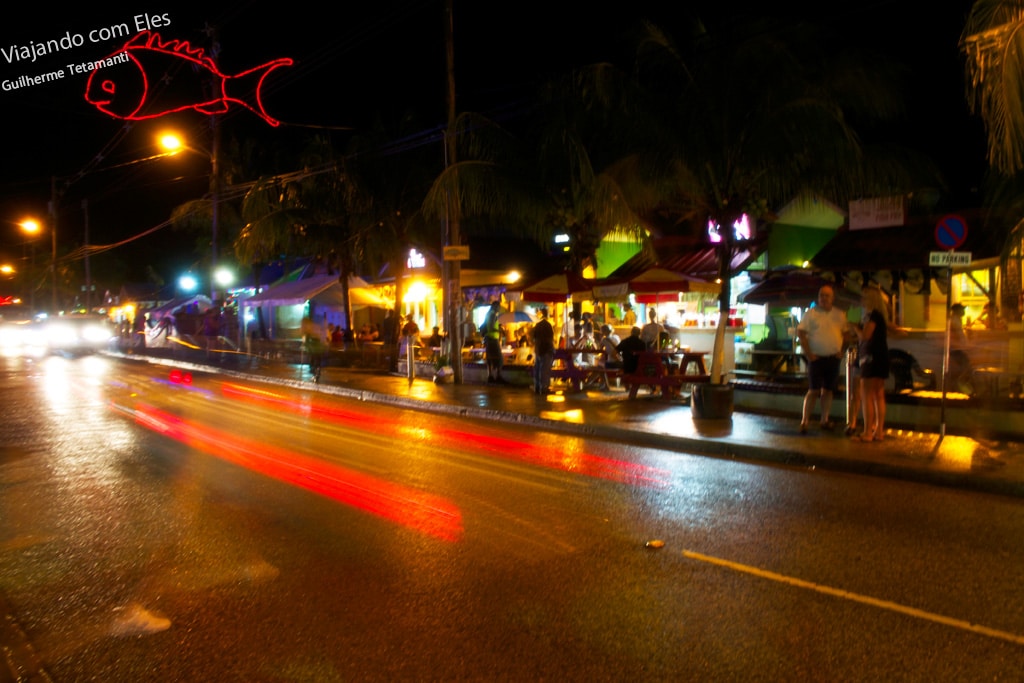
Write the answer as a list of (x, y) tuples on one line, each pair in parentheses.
[(543, 338), (822, 332), (491, 330), (314, 346)]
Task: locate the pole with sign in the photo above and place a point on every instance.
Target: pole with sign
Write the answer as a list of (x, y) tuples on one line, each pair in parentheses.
[(454, 255), (950, 233)]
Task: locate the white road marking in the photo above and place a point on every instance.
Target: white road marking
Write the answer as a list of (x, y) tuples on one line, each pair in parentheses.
[(856, 597)]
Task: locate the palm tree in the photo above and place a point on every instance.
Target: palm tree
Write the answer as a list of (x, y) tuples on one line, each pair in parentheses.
[(274, 227), (750, 118), (306, 213), (550, 178), (196, 217), (391, 166), (274, 222), (586, 166), (993, 43)]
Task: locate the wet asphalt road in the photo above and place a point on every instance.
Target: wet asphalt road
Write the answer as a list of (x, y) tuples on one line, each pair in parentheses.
[(152, 529)]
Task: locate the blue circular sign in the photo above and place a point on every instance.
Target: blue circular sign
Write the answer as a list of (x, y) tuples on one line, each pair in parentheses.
[(950, 232)]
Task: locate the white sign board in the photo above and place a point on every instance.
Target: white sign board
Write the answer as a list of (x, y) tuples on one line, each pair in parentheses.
[(948, 259), (880, 212)]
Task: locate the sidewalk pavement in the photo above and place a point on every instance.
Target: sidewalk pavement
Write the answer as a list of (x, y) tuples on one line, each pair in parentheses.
[(992, 466)]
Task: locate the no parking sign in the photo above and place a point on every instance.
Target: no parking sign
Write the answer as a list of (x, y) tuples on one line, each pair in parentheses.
[(950, 232)]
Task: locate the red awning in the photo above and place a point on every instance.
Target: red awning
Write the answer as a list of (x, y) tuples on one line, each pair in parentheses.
[(558, 288), (692, 256)]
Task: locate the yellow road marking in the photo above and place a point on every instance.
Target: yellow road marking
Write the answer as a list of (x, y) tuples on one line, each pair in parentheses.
[(856, 597)]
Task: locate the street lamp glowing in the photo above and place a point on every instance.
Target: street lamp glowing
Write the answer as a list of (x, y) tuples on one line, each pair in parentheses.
[(32, 229), (223, 277), (171, 142), (188, 283)]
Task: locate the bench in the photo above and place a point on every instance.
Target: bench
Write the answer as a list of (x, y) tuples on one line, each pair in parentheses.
[(651, 372), (564, 368), (606, 375)]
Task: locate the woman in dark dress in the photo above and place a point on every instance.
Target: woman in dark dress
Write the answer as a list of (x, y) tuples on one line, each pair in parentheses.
[(873, 358)]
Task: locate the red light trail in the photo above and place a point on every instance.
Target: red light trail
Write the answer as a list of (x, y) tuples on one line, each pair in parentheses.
[(424, 512), (511, 449)]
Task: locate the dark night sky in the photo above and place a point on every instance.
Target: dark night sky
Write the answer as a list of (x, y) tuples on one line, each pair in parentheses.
[(356, 59)]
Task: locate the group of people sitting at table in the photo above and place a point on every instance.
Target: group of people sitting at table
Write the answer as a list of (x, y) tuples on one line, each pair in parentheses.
[(602, 347)]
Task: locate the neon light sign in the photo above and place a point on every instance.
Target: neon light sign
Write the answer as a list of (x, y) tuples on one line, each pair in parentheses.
[(120, 85), (741, 229), (416, 260)]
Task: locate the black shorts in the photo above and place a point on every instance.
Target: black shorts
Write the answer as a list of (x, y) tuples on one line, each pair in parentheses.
[(492, 350), (874, 366), (823, 373)]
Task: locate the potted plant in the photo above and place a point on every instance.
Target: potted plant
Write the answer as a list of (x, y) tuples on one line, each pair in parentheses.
[(444, 373)]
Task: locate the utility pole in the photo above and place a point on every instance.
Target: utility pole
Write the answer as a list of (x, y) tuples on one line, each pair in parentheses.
[(88, 273), (453, 285), (215, 198), (53, 241), (212, 88)]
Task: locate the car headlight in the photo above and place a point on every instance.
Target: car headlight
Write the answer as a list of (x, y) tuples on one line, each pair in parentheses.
[(95, 334), (60, 335)]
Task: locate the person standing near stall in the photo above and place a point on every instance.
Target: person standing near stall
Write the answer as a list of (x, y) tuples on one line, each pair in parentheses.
[(651, 332), (822, 332), (543, 338), (629, 316), (491, 331), (873, 362)]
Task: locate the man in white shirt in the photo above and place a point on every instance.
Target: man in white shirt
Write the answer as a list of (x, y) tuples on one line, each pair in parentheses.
[(822, 332), (651, 332)]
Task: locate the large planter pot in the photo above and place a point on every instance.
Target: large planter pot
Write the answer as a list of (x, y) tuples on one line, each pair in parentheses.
[(711, 401)]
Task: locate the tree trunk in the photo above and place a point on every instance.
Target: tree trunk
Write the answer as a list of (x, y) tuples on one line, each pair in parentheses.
[(724, 297), (346, 302), (396, 322), (261, 326)]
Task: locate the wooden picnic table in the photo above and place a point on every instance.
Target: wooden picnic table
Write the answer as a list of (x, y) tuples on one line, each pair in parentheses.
[(565, 368), (652, 371), (681, 362)]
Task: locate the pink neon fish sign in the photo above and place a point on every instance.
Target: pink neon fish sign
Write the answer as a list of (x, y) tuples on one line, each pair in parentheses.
[(130, 83)]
